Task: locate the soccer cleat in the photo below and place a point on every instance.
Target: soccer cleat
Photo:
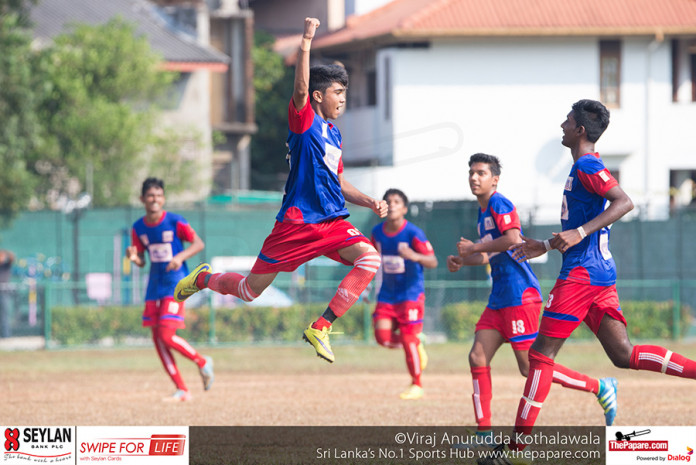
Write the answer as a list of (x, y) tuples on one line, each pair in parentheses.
[(179, 396), (206, 372), (187, 286), (413, 392), (502, 455), (607, 398), (319, 339), (422, 354), (478, 440)]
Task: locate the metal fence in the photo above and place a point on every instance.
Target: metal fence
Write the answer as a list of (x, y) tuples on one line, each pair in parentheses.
[(26, 308)]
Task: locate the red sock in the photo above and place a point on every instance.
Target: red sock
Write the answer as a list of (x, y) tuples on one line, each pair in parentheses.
[(200, 280), (535, 391), (231, 283), (483, 393), (661, 360), (321, 323), (410, 342), (168, 361), (574, 380), (178, 343), (355, 282), (387, 338)]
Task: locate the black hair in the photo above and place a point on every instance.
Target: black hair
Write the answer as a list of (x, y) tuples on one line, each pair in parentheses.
[(398, 192), (150, 183), (322, 76), (593, 116), (491, 160)]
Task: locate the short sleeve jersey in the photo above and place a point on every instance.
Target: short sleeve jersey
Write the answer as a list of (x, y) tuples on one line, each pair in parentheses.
[(589, 261), (162, 240), (312, 190), (402, 280), (514, 283)]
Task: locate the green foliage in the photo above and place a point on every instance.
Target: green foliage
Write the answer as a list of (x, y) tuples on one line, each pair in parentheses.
[(102, 82), (273, 83), (92, 325), (20, 131), (646, 320)]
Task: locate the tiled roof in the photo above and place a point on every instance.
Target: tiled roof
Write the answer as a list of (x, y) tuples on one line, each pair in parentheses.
[(452, 18), (53, 17)]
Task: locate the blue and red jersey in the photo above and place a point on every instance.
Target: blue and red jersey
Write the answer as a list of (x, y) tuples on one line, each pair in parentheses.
[(312, 190), (588, 262), (402, 280), (514, 283), (162, 240)]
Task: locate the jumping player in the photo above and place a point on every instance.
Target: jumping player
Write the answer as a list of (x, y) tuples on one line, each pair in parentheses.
[(401, 300), (311, 221), (512, 313), (585, 289), (162, 233)]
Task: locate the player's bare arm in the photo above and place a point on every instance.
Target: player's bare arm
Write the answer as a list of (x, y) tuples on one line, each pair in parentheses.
[(455, 262), (510, 237), (620, 205), (354, 196), (428, 261), (196, 246), (301, 89), (135, 257)]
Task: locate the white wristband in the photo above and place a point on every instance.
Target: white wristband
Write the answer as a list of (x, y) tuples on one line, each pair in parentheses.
[(547, 245), (581, 230)]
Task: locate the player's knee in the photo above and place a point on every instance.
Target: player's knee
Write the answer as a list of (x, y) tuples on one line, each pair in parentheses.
[(477, 358), (524, 370), (621, 356), (383, 336), (369, 261)]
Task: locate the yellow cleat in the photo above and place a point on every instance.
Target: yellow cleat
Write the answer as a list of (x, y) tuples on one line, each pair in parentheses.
[(413, 392), (187, 286), (319, 339), (422, 354)]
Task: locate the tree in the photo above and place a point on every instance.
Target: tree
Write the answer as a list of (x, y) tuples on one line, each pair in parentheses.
[(99, 110), (273, 83), (21, 133)]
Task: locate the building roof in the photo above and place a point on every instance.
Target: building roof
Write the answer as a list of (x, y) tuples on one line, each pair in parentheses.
[(415, 19), (53, 17)]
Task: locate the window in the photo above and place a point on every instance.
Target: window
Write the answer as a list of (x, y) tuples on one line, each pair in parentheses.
[(610, 72), (675, 70), (692, 60), (371, 81)]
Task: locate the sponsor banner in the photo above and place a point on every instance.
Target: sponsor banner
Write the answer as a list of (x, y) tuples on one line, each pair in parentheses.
[(391, 445), (627, 445), (138, 445), (38, 444)]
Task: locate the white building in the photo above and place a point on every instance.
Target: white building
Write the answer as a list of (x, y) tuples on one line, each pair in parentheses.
[(434, 82)]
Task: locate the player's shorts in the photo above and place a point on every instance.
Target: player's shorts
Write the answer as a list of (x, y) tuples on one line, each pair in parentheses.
[(291, 244), (518, 325), (571, 303), (408, 312), (164, 312)]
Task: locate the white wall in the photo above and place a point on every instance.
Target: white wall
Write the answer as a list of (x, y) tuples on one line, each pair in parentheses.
[(508, 98)]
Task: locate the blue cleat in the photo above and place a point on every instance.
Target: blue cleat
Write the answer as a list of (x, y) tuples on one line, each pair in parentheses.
[(608, 388)]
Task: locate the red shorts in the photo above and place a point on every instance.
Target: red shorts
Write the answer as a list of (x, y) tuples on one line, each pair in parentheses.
[(571, 303), (409, 312), (164, 312), (518, 325), (291, 244)]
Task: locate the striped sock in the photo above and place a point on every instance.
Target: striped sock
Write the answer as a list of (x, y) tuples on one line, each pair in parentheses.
[(661, 360)]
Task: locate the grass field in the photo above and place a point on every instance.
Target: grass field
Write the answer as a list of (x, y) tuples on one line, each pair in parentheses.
[(290, 386)]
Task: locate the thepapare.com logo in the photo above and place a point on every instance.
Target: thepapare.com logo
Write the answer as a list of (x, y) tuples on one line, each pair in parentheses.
[(34, 444)]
